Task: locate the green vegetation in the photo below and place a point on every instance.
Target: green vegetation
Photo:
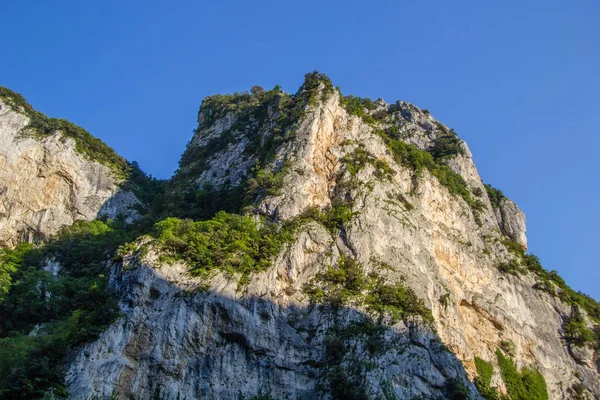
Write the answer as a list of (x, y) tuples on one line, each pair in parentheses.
[(485, 370), (495, 195), (197, 204), (343, 387), (74, 307), (10, 260), (357, 160), (41, 126), (554, 285), (347, 283), (65, 311), (456, 390), (477, 192), (266, 182), (577, 332), (418, 160), (357, 105), (253, 120), (133, 178), (514, 248), (483, 381), (227, 242), (267, 119), (508, 347), (360, 158), (578, 391), (529, 384), (334, 218), (512, 267), (145, 187), (310, 88), (551, 283), (446, 146), (340, 346)]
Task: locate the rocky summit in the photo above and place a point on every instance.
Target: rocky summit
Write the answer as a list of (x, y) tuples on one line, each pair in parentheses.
[(309, 246)]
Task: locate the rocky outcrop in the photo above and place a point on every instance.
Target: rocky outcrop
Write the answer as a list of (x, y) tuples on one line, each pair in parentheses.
[(512, 221), (190, 339), (184, 337), (45, 183)]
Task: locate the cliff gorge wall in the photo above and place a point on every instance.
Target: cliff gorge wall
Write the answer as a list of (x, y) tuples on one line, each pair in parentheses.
[(431, 225), (371, 262)]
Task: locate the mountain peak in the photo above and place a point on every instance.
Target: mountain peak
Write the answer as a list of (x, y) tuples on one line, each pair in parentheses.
[(314, 245)]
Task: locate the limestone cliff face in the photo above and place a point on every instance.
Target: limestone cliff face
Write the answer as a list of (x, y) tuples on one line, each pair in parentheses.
[(215, 338), (416, 210), (46, 183), (187, 340)]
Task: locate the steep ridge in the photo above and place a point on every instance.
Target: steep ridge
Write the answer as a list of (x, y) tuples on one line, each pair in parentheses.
[(363, 257), (50, 179)]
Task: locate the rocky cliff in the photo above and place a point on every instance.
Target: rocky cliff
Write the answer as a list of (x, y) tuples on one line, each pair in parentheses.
[(46, 182), (369, 260)]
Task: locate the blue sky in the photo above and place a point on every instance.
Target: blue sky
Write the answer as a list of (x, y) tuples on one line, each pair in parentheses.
[(518, 80)]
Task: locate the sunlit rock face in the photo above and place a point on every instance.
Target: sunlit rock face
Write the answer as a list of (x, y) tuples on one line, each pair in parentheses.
[(216, 337), (46, 184)]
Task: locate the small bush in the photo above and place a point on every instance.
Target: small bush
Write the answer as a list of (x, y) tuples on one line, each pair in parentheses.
[(509, 347), (495, 195), (342, 388), (446, 146), (578, 391), (532, 263), (527, 385), (334, 218), (576, 331), (359, 158), (512, 267), (514, 247), (359, 106), (456, 390)]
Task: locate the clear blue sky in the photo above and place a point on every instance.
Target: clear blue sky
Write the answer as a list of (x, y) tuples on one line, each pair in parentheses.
[(518, 80)]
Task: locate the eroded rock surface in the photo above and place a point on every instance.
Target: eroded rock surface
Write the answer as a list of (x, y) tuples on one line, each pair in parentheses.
[(185, 340), (46, 184), (228, 339)]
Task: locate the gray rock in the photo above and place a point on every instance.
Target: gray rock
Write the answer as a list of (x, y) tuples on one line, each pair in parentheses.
[(233, 339), (46, 184), (512, 222)]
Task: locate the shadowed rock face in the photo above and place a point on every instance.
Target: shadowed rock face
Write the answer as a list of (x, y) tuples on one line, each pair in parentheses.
[(264, 335), (45, 184), (219, 342)]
